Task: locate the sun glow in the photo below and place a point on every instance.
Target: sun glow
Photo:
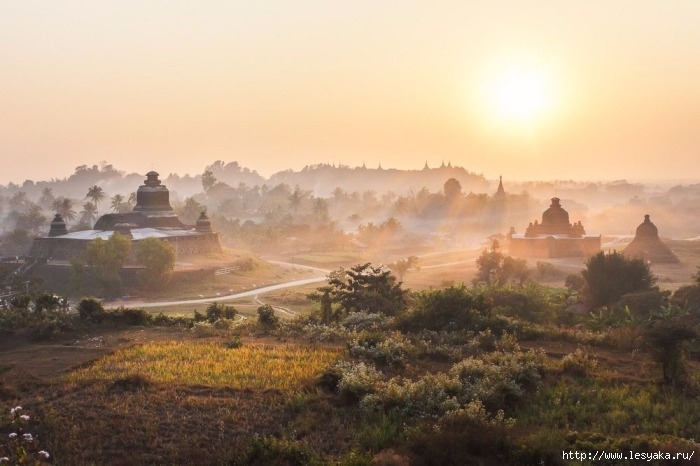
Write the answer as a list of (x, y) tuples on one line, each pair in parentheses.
[(517, 94), (520, 94)]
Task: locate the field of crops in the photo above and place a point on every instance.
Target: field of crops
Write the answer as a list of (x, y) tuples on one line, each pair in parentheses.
[(213, 364)]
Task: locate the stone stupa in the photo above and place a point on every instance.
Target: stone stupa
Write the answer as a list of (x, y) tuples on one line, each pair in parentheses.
[(648, 246)]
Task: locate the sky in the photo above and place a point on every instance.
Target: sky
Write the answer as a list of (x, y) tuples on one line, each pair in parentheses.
[(531, 89)]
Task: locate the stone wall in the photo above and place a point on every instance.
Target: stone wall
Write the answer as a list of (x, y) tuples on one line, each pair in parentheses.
[(69, 248), (551, 247)]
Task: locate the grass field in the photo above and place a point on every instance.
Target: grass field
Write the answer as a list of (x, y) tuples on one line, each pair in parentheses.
[(255, 367)]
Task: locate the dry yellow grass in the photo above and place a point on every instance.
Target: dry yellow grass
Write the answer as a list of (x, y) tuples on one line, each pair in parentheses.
[(263, 367)]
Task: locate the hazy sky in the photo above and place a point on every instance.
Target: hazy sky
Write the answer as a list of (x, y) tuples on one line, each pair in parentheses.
[(528, 89)]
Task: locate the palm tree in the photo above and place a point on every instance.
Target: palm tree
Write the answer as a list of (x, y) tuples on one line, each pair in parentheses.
[(132, 200), (117, 203), (89, 213), (47, 197), (64, 207), (95, 194)]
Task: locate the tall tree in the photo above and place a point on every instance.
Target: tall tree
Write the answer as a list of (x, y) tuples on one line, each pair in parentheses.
[(95, 194), (64, 207), (89, 213), (47, 198), (117, 203), (208, 180)]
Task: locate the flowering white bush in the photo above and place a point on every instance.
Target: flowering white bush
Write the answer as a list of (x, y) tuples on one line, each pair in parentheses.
[(429, 396), (357, 379), (20, 447), (329, 333), (390, 349), (364, 320)]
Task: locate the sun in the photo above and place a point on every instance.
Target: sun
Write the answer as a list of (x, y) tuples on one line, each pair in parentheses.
[(519, 94)]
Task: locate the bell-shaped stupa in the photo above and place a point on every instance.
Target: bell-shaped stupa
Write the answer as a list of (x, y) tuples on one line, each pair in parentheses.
[(648, 246)]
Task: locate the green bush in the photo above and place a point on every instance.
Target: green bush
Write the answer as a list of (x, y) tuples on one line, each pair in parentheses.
[(266, 316), (579, 363), (271, 451), (448, 309), (216, 311), (91, 310)]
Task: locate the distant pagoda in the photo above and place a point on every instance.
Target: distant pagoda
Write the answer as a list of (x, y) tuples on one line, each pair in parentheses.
[(648, 246)]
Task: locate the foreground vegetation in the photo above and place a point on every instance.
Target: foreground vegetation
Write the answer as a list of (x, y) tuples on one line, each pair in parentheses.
[(500, 372)]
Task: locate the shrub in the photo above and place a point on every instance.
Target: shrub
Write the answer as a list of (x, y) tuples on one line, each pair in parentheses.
[(234, 342), (266, 316), (498, 379), (128, 316), (271, 451), (579, 363), (364, 320), (91, 310), (609, 276), (357, 380), (448, 309), (389, 349), (216, 311)]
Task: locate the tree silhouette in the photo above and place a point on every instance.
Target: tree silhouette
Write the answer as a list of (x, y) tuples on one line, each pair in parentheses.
[(95, 194), (47, 197), (117, 203), (89, 213), (609, 276), (64, 207)]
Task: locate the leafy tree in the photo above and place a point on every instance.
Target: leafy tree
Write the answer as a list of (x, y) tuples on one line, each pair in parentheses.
[(452, 189), (108, 257), (158, 258), (496, 268), (364, 288), (609, 276), (404, 265), (208, 180), (189, 213)]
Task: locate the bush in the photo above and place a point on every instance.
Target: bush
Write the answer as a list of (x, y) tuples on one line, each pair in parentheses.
[(609, 276), (271, 451), (235, 342), (129, 316), (216, 311), (91, 310), (579, 363), (357, 380), (448, 309), (382, 349), (266, 316)]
